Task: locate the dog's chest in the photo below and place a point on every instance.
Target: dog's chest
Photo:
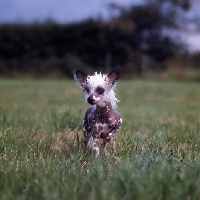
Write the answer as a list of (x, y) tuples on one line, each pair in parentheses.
[(101, 121), (105, 124), (103, 128)]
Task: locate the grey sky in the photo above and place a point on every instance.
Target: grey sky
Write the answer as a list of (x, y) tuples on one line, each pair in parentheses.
[(62, 10)]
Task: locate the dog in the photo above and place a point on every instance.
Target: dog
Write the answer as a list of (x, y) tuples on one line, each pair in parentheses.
[(101, 118)]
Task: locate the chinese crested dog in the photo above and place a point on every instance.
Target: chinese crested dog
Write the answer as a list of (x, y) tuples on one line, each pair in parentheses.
[(101, 119)]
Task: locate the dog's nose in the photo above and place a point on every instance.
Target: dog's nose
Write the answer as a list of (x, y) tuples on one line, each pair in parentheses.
[(90, 100)]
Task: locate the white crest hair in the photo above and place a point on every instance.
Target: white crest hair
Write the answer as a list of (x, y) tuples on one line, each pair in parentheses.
[(102, 80)]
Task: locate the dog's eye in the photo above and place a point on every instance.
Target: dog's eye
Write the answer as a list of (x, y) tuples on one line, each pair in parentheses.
[(100, 90), (86, 90)]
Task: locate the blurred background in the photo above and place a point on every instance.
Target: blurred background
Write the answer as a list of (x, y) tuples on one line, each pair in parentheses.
[(156, 39)]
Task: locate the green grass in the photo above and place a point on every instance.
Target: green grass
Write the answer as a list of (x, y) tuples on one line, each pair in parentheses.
[(155, 155)]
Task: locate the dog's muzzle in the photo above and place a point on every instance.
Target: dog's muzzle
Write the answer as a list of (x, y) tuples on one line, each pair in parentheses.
[(90, 100)]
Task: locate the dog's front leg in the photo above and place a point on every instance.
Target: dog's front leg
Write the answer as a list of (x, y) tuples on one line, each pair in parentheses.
[(112, 133), (109, 137)]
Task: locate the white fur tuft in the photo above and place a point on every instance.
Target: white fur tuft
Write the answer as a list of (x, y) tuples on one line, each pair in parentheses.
[(97, 79)]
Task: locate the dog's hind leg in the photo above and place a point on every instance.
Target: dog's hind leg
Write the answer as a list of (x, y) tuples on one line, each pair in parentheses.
[(95, 146)]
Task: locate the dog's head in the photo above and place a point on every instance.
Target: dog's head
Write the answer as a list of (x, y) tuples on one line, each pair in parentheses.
[(98, 88)]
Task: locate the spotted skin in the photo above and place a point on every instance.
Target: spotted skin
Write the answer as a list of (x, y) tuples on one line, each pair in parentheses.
[(101, 120)]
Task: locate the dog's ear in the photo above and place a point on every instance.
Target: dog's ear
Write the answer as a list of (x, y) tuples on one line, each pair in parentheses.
[(113, 76), (80, 77)]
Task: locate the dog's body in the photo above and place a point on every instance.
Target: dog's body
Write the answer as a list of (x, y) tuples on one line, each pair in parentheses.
[(101, 119)]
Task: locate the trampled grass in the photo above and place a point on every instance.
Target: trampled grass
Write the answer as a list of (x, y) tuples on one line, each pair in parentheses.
[(155, 155)]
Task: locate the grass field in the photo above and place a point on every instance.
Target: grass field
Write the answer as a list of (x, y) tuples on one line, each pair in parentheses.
[(155, 155)]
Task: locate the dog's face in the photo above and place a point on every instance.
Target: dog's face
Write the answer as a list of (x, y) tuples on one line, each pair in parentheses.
[(98, 86)]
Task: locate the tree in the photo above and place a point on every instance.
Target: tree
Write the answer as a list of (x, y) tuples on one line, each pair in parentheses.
[(154, 22), (114, 35)]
